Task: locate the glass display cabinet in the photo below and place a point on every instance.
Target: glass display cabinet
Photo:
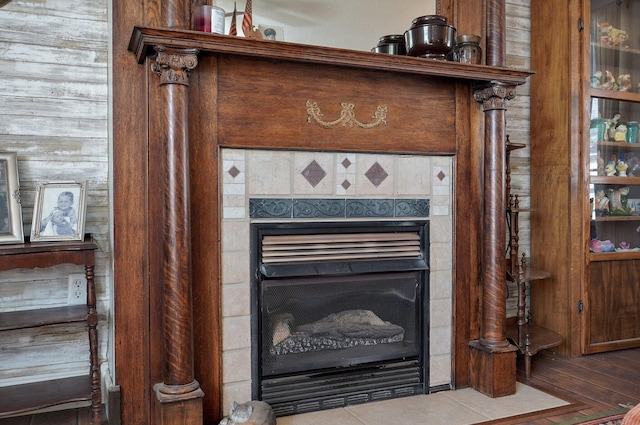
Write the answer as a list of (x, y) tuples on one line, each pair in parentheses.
[(614, 148)]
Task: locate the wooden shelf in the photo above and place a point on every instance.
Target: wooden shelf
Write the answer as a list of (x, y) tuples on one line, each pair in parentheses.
[(531, 275), (618, 145), (539, 338), (614, 256), (626, 96), (144, 39), (615, 180), (617, 218), (46, 316), (24, 398)]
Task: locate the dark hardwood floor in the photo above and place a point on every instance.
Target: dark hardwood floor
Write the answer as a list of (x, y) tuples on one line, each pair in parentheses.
[(593, 384)]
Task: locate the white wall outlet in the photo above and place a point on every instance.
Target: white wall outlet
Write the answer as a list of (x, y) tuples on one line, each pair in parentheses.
[(77, 289)]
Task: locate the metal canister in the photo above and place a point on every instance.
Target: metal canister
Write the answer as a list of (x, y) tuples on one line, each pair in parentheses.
[(467, 49)]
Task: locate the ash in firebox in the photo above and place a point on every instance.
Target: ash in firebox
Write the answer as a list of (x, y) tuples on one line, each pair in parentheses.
[(345, 329)]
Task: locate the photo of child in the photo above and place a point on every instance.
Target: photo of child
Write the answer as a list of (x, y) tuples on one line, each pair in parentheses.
[(62, 220), (59, 211)]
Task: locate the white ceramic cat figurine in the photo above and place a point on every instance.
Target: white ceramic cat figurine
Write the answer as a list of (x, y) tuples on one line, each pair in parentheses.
[(250, 413)]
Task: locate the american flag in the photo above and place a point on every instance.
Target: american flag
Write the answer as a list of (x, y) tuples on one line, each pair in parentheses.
[(247, 23), (233, 30)]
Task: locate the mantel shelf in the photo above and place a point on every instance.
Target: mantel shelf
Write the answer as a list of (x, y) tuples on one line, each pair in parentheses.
[(144, 39)]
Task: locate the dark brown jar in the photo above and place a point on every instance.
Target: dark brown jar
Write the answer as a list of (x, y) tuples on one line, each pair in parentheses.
[(392, 44)]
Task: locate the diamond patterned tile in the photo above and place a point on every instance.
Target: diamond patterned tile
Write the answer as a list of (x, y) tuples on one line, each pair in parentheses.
[(314, 173)]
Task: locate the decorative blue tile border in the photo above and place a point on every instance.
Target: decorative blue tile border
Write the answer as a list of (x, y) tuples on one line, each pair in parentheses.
[(337, 208)]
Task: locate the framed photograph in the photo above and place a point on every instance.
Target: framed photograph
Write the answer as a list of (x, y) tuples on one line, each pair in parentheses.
[(10, 207), (58, 211)]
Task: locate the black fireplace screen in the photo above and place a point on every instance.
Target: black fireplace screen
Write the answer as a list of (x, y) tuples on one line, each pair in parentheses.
[(322, 322), (340, 313)]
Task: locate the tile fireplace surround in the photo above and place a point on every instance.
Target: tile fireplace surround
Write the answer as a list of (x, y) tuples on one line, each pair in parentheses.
[(329, 175)]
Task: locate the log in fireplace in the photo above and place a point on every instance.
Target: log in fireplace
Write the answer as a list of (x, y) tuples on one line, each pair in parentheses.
[(339, 313)]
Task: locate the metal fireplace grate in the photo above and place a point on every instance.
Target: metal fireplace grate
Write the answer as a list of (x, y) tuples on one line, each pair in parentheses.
[(284, 249)]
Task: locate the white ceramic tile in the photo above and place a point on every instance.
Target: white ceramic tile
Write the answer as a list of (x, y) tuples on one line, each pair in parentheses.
[(441, 254), (234, 365), (440, 229), (440, 340), (235, 235), (440, 282), (236, 300), (414, 175), (433, 409), (525, 400), (236, 332), (440, 313), (347, 174), (325, 417), (240, 392), (235, 267), (440, 369), (269, 173), (234, 212)]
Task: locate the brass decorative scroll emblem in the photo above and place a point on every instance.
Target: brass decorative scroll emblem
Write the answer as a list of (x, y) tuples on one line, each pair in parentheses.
[(347, 116)]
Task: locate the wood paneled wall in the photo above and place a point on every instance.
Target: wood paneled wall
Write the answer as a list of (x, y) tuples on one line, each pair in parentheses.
[(54, 112)]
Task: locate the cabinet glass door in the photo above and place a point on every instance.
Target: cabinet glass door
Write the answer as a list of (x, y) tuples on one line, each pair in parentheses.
[(614, 144)]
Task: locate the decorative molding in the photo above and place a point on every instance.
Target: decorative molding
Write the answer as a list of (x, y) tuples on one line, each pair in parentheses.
[(283, 208), (495, 96), (347, 116), (174, 65)]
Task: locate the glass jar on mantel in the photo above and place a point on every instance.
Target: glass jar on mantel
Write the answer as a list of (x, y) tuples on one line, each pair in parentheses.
[(614, 148)]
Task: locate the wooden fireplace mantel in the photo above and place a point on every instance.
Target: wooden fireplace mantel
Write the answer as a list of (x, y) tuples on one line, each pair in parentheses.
[(210, 94), (145, 39)]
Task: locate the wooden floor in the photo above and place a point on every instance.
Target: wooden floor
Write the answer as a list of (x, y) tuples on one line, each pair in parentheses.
[(593, 384)]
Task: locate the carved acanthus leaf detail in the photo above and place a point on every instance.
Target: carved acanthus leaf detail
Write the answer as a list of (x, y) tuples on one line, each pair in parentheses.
[(495, 96), (347, 116), (173, 65)]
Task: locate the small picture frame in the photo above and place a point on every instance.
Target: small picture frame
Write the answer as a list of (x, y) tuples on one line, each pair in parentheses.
[(59, 211), (10, 205)]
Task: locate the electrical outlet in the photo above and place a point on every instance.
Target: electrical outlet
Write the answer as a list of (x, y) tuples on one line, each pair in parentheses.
[(77, 289)]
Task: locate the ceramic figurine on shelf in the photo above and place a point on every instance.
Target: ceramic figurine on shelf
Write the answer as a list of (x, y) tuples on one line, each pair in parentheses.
[(609, 81), (634, 165), (596, 80), (610, 36), (601, 204), (610, 169), (618, 201), (624, 82), (620, 134), (600, 164), (625, 245), (596, 245), (611, 126), (621, 167)]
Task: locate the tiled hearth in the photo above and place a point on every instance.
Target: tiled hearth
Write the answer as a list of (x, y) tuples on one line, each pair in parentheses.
[(325, 186)]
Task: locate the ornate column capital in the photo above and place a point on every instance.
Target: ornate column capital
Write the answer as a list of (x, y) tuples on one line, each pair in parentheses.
[(495, 96), (174, 65)]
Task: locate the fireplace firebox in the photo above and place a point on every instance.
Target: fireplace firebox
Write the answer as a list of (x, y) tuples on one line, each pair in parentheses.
[(339, 313)]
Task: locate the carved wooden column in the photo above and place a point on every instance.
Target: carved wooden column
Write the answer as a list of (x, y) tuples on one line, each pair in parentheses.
[(493, 358), (179, 395)]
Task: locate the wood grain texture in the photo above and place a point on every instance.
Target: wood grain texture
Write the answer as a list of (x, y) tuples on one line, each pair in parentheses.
[(558, 141)]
